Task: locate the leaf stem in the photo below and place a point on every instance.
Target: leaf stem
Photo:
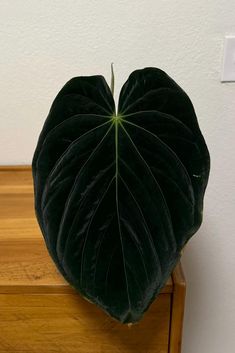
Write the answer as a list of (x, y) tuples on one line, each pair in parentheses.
[(112, 79)]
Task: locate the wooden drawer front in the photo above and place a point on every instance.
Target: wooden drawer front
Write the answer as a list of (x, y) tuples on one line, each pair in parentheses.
[(67, 323)]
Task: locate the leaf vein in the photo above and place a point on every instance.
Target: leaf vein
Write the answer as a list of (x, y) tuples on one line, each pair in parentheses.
[(145, 222), (166, 146), (155, 181), (88, 229)]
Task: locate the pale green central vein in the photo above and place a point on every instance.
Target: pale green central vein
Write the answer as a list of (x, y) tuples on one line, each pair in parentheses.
[(117, 121), (116, 149)]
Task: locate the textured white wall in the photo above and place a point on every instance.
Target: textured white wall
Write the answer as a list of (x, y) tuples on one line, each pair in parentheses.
[(45, 43)]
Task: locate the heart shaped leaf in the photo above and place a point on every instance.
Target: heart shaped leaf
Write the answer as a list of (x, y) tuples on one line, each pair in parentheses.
[(118, 196)]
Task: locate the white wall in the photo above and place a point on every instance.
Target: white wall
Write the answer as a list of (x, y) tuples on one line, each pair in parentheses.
[(45, 43)]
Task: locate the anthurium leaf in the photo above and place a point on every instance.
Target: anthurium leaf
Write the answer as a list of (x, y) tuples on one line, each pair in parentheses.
[(118, 196)]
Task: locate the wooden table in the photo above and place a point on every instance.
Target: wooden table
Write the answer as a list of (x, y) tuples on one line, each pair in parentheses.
[(40, 312)]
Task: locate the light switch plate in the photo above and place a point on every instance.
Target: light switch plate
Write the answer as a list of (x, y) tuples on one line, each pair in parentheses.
[(228, 70)]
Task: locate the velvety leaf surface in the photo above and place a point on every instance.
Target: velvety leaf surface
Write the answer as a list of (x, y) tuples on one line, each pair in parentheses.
[(118, 196)]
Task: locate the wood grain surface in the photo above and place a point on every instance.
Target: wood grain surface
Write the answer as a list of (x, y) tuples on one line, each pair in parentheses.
[(177, 312), (40, 312)]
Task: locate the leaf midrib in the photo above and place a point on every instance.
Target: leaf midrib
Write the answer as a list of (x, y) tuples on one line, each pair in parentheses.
[(116, 123)]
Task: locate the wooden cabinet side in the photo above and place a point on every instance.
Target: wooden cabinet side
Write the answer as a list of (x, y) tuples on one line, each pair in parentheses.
[(177, 310)]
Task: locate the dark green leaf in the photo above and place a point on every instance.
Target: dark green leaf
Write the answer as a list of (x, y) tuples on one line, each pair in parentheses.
[(118, 196)]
